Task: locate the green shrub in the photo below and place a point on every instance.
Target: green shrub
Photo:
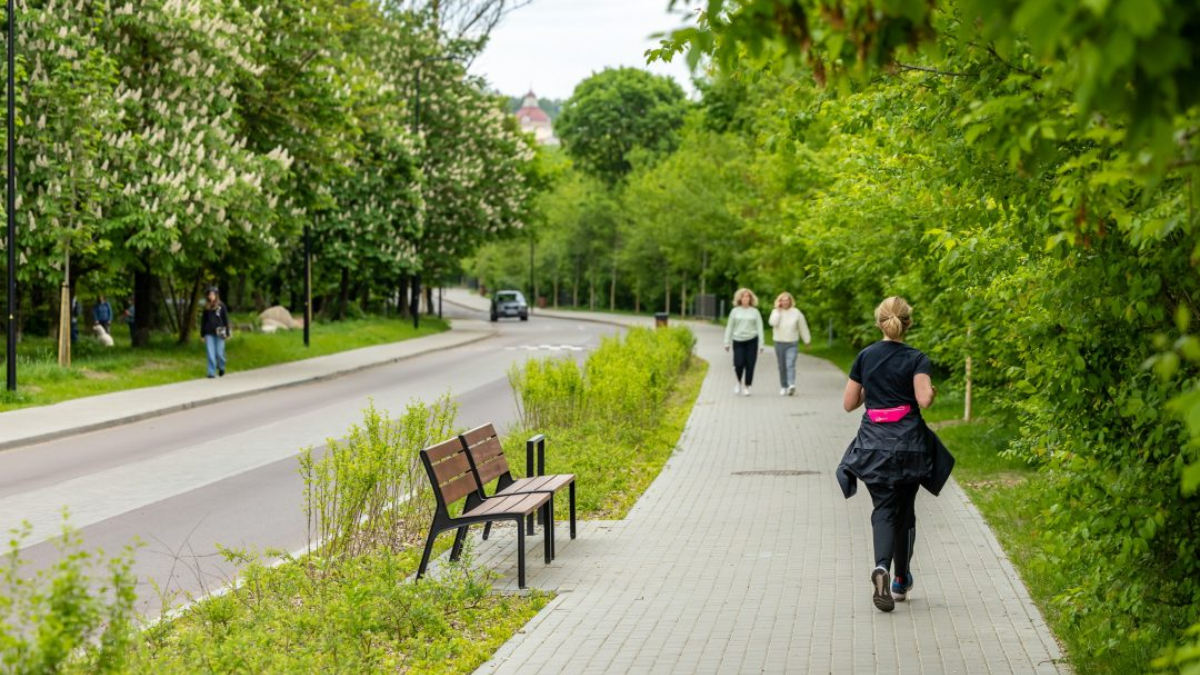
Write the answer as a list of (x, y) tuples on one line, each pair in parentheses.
[(370, 491), (83, 603), (614, 421), (361, 618), (622, 382)]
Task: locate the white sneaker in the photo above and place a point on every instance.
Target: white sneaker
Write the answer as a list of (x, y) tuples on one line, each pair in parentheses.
[(737, 389), (746, 391), (791, 390), (783, 392)]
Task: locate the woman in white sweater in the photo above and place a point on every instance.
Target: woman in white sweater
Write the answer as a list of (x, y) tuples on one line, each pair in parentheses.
[(789, 328), (744, 334)]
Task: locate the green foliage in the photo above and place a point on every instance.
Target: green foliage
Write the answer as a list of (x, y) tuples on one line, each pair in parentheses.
[(359, 616), (369, 492), (615, 420), (616, 111), (83, 603)]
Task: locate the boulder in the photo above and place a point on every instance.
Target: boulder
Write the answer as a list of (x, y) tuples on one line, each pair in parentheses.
[(280, 317)]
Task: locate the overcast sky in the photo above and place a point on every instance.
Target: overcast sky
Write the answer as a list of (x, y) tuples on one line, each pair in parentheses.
[(551, 45)]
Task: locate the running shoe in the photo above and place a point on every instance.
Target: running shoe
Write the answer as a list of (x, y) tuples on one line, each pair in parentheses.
[(901, 585), (737, 389), (783, 392), (881, 594), (791, 390), (745, 391)]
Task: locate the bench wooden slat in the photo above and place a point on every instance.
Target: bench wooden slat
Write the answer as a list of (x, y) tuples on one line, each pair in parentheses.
[(458, 488), (515, 504), (480, 433), (441, 451), (550, 483), (452, 467), (490, 461)]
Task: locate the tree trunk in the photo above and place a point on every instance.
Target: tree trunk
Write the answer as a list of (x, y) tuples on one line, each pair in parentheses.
[(188, 319), (556, 290), (592, 289), (344, 294), (145, 316), (683, 307), (637, 301), (612, 288), (429, 308), (401, 294), (575, 286), (667, 283)]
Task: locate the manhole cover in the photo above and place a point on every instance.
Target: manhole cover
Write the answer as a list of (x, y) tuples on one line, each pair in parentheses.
[(776, 472)]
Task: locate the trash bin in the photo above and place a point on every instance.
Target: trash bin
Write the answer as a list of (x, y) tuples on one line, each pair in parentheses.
[(660, 319)]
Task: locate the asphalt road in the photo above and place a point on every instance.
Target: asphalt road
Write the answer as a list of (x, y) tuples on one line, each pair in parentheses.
[(227, 473)]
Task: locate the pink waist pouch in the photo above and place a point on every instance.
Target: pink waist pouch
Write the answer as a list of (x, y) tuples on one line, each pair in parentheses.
[(884, 415)]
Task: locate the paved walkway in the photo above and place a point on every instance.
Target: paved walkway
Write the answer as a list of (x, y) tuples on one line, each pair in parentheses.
[(715, 572), (35, 425)]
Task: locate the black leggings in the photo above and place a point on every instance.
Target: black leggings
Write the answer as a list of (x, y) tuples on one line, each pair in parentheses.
[(894, 524), (745, 356)]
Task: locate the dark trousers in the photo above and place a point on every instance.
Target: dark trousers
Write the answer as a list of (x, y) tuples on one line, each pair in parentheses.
[(745, 356), (894, 524)]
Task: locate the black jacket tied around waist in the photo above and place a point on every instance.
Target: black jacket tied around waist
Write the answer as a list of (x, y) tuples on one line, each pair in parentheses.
[(907, 451)]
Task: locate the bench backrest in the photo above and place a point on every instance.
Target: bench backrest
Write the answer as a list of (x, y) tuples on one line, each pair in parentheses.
[(486, 452), (449, 471)]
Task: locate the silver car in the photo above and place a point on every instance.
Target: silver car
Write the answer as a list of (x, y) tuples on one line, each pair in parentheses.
[(509, 304)]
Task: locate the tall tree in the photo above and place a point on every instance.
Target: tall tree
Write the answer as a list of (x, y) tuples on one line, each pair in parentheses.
[(616, 111)]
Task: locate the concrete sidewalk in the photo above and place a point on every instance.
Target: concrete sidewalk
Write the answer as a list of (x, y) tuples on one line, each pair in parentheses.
[(35, 425), (743, 557)]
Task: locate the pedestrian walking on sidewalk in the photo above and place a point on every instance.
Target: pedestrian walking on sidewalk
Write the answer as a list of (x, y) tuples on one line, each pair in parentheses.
[(744, 334), (894, 453), (215, 328), (788, 329)]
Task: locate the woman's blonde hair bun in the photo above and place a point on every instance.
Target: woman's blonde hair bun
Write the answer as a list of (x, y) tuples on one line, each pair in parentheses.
[(894, 317)]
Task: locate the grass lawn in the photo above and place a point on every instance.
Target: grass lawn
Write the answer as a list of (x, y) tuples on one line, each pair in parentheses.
[(98, 370)]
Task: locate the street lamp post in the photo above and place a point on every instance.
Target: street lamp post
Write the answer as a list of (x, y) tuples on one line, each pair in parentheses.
[(308, 313), (11, 205)]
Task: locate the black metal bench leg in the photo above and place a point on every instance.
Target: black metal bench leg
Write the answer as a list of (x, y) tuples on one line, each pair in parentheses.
[(520, 555), (487, 529), (548, 530), (531, 528), (459, 538), (433, 533), (572, 496), (551, 531)]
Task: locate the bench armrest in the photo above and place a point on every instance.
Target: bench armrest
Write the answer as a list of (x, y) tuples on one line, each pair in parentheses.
[(537, 443)]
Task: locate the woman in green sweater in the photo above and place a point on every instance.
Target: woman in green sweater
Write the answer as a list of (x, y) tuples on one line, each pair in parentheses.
[(744, 334)]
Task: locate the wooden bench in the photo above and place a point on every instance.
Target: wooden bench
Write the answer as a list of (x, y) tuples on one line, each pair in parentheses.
[(453, 479), (489, 464)]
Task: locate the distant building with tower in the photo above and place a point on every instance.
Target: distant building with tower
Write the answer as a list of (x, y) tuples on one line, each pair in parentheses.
[(535, 121)]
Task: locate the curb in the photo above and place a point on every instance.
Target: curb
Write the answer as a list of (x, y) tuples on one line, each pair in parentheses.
[(221, 398)]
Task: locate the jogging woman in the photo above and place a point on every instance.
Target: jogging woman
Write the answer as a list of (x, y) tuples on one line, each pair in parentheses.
[(744, 334), (894, 452)]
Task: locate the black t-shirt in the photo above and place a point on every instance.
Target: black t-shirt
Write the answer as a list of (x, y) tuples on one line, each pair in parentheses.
[(885, 370)]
